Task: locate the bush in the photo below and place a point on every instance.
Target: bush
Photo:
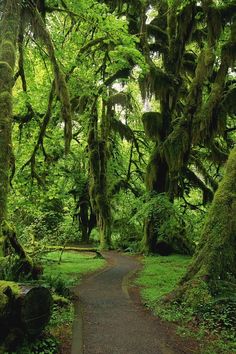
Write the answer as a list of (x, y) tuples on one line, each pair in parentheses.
[(171, 226)]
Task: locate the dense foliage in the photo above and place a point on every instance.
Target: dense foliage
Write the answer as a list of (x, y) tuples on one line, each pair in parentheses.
[(116, 121)]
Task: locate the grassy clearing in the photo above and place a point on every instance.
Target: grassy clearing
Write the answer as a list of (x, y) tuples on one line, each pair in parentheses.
[(158, 278), (72, 266)]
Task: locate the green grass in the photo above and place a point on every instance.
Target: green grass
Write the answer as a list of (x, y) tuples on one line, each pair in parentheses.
[(60, 277), (72, 266), (159, 277)]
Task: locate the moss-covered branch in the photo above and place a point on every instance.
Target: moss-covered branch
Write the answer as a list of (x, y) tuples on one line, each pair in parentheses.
[(60, 83)]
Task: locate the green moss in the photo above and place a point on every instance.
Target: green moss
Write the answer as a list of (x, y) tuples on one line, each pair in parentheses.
[(5, 104), (214, 21), (8, 52), (7, 290), (153, 125), (14, 286), (5, 73), (156, 82), (60, 83), (60, 300), (215, 258), (176, 146)]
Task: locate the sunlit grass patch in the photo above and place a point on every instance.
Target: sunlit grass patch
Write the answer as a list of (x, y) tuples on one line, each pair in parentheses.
[(72, 265), (160, 275)]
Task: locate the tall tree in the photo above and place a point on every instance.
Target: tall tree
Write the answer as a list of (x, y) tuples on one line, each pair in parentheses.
[(189, 78), (9, 26), (213, 269), (16, 16)]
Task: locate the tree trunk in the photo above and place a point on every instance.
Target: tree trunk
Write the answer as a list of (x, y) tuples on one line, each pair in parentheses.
[(214, 264), (84, 221), (157, 180), (98, 159), (9, 28), (9, 32)]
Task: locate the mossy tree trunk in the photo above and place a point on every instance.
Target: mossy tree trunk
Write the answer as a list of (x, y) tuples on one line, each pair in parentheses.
[(214, 263), (9, 32), (157, 180), (98, 156), (9, 29), (158, 176)]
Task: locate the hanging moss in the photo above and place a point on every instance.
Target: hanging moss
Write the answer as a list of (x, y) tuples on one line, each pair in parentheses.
[(228, 52), (61, 87), (152, 174), (157, 173), (229, 99), (201, 169), (177, 146), (121, 99), (196, 182), (214, 24), (218, 155), (227, 11), (180, 26), (98, 191), (186, 19), (122, 129), (207, 121), (189, 62), (199, 36), (156, 83), (153, 125)]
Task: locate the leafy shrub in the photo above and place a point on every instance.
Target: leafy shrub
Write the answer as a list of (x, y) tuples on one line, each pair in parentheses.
[(126, 235), (43, 345), (219, 313), (57, 284), (169, 222), (15, 269)]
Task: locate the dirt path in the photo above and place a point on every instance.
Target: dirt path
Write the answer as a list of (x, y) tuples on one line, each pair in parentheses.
[(111, 320)]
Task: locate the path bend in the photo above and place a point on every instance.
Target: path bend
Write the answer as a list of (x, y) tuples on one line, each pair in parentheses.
[(109, 321)]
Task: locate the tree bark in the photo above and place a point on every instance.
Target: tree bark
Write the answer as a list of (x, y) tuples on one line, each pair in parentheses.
[(98, 159), (214, 263), (9, 33)]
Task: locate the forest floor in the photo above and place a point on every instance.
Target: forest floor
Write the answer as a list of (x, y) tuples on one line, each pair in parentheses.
[(110, 318)]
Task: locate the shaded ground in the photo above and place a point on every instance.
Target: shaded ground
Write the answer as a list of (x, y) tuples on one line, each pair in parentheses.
[(111, 320)]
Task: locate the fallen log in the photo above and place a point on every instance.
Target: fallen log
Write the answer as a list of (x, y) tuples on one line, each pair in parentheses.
[(75, 249), (24, 312)]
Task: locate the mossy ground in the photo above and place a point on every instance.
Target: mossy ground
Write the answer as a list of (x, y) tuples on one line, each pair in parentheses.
[(158, 278)]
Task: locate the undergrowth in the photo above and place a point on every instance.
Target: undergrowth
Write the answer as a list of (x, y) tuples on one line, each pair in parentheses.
[(159, 277), (60, 273)]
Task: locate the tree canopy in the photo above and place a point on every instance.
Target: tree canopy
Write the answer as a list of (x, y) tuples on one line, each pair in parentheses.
[(116, 121)]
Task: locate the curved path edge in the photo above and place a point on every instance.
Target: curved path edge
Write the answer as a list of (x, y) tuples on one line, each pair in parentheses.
[(111, 319)]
